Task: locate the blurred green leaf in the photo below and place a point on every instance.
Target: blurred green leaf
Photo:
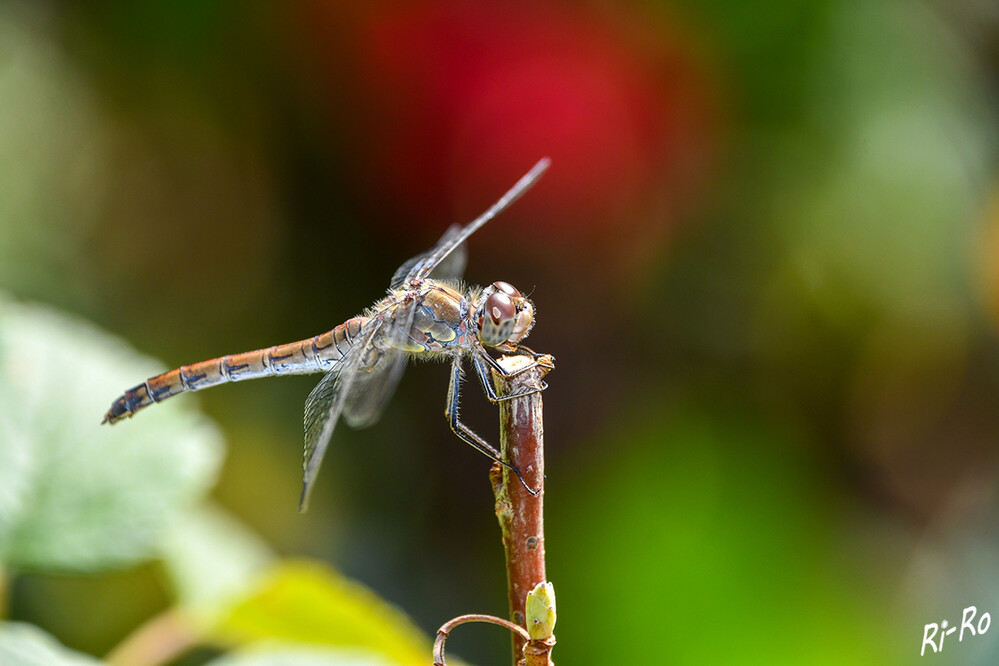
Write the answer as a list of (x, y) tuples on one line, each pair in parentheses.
[(308, 602), (53, 160), (25, 645), (877, 195), (709, 538), (301, 656), (75, 496), (211, 559)]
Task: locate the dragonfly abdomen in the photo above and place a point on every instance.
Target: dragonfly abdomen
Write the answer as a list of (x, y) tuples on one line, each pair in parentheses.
[(316, 354)]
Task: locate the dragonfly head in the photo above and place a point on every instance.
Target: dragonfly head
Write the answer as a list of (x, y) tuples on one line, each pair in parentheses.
[(504, 316)]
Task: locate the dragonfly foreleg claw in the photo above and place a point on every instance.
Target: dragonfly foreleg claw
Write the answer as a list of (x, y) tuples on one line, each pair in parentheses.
[(544, 360), (480, 361)]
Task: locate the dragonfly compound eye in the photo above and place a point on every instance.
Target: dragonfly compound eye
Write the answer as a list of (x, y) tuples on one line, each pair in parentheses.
[(506, 288), (497, 318)]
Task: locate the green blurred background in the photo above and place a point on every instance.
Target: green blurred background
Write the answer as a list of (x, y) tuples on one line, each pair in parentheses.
[(764, 258)]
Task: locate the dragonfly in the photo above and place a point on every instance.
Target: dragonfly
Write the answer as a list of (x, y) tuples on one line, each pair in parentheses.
[(427, 313)]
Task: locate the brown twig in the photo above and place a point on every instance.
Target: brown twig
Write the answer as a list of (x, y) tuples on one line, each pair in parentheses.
[(448, 626), (538, 652), (520, 512)]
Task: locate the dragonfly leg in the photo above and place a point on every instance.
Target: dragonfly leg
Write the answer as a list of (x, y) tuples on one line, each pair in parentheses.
[(465, 433), (481, 360), (538, 357)]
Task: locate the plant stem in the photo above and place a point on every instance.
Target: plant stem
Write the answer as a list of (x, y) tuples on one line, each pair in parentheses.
[(520, 513), (4, 593), (449, 626), (159, 641)]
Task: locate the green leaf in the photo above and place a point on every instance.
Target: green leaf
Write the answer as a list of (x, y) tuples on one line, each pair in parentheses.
[(211, 560), (307, 602), (301, 656), (76, 496), (26, 645)]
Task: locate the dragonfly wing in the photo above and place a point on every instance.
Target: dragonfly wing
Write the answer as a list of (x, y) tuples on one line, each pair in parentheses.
[(318, 412), (453, 266), (425, 264), (379, 373), (361, 384), (373, 388), (326, 403)]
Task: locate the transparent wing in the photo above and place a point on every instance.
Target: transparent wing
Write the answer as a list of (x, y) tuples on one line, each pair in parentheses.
[(318, 413), (326, 403), (379, 373), (453, 266), (422, 265), (360, 385)]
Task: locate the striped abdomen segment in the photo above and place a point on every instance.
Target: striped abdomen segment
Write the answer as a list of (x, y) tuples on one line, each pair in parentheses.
[(317, 354)]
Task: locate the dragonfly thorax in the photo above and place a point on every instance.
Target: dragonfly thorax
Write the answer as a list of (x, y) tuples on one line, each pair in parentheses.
[(503, 315)]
